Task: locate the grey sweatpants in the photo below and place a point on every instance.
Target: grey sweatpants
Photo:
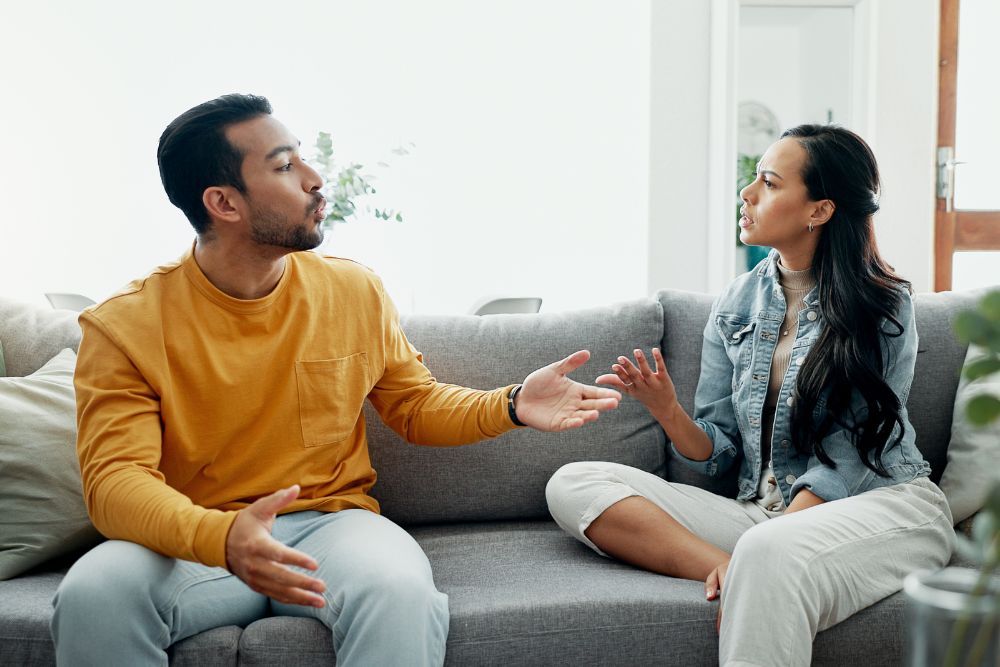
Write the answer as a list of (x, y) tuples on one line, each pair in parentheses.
[(790, 575)]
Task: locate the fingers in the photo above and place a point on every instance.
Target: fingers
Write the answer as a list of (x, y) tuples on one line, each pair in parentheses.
[(661, 366), (599, 404), (285, 585), (712, 585), (611, 379), (282, 554), (268, 506), (572, 362), (640, 359), (267, 570), (626, 371), (600, 392)]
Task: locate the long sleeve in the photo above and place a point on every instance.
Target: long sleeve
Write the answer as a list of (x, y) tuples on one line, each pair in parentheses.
[(424, 411), (714, 411), (120, 445)]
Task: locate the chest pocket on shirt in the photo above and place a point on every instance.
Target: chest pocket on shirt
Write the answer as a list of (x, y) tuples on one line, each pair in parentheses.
[(738, 336), (331, 395)]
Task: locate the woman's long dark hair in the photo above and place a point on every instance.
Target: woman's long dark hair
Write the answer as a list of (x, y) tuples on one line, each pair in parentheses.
[(859, 296)]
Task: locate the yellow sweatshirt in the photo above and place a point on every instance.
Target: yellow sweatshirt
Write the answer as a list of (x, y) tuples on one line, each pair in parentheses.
[(192, 404)]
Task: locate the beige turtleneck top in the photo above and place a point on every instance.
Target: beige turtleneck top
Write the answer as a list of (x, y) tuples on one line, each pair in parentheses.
[(795, 285)]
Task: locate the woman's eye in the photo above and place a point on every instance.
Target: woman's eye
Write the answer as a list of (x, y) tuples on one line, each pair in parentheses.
[(286, 167), (768, 184)]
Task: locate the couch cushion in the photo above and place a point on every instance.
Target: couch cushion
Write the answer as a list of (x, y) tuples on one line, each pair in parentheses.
[(31, 335), (939, 366), (525, 593), (505, 478), (26, 612), (974, 451), (40, 492), (685, 315)]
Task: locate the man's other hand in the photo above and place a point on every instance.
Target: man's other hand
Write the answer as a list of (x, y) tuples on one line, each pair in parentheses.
[(261, 561), (550, 401)]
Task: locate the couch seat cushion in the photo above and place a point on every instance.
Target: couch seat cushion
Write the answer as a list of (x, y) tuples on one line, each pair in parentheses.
[(524, 593)]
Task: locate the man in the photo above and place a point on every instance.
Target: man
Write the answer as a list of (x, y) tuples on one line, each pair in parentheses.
[(221, 436)]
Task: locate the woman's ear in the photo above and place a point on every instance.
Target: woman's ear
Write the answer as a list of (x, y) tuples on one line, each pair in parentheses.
[(821, 213), (221, 203)]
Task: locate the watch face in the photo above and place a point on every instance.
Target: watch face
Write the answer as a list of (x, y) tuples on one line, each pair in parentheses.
[(757, 128)]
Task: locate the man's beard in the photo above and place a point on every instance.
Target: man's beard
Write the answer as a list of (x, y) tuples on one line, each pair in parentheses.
[(270, 228)]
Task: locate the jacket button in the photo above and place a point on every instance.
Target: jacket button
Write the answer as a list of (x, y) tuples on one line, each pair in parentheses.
[(789, 401), (785, 443), (736, 336), (790, 479), (800, 361), (811, 316)]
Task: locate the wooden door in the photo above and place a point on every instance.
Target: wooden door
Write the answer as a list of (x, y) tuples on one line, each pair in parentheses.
[(957, 229)]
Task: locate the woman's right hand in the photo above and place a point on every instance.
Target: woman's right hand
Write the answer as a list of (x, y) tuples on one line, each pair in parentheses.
[(650, 386)]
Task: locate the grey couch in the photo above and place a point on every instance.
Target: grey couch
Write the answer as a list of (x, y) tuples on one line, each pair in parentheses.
[(522, 592)]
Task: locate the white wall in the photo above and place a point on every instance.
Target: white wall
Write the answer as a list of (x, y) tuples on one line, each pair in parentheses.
[(561, 146), (678, 245), (904, 44), (899, 121), (530, 121)]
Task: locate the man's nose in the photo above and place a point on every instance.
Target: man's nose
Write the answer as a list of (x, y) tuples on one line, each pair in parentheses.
[(313, 181)]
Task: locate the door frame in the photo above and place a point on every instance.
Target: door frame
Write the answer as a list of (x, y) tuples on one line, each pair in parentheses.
[(954, 229), (725, 16)]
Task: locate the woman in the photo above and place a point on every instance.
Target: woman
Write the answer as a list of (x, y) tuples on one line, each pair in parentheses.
[(806, 366)]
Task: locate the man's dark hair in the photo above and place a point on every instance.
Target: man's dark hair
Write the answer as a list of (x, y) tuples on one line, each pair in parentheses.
[(194, 153)]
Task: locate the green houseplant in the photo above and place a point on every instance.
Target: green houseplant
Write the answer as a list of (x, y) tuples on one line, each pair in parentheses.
[(954, 612), (345, 186), (746, 173)]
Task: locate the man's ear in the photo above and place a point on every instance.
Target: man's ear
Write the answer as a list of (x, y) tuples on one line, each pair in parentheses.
[(221, 202), (822, 211)]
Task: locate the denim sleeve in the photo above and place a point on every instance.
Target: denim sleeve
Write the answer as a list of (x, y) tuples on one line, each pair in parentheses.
[(900, 358), (713, 401)]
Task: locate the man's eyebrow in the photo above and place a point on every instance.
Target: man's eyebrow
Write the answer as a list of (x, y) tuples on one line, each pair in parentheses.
[(281, 149)]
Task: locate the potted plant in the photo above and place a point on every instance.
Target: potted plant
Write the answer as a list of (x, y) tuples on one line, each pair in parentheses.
[(746, 173), (953, 614), (344, 184)]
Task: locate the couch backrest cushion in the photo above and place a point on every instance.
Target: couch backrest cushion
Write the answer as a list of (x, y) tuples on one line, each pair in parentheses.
[(31, 335), (684, 318), (939, 367), (505, 478), (932, 394)]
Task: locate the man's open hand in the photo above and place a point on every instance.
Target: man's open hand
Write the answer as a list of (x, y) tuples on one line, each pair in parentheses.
[(260, 560), (550, 401)]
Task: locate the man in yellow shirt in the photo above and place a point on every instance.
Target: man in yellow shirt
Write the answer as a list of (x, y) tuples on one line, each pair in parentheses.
[(221, 435)]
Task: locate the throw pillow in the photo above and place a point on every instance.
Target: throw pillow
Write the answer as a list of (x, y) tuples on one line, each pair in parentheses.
[(973, 451), (40, 491)]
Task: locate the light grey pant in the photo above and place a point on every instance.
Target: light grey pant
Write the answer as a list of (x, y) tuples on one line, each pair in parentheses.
[(122, 604), (790, 576)]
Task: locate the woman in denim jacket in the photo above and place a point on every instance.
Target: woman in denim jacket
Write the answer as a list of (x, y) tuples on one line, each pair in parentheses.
[(805, 371)]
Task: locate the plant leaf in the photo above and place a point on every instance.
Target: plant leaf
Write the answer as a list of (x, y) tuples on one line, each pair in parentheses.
[(972, 326), (982, 409), (982, 367), (990, 306)]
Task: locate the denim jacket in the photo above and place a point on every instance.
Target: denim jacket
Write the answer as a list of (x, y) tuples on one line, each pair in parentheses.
[(740, 338)]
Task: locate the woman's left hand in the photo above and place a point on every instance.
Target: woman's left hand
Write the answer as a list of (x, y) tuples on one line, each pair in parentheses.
[(713, 588)]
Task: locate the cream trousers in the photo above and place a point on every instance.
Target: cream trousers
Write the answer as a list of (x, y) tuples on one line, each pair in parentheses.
[(790, 576)]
